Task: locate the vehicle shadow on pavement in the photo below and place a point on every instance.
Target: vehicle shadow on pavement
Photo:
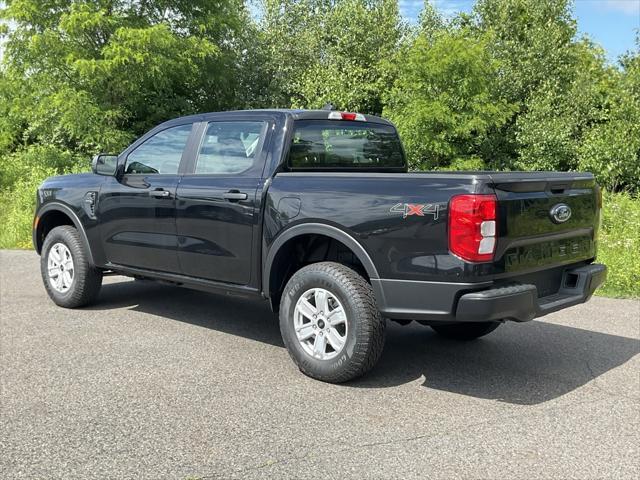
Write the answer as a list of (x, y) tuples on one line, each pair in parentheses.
[(228, 314), (525, 364)]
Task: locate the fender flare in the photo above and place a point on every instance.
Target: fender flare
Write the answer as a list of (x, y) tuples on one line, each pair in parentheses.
[(318, 229), (60, 207)]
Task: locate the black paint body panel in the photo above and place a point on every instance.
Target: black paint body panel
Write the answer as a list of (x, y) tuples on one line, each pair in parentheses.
[(416, 247), (215, 235), (137, 229)]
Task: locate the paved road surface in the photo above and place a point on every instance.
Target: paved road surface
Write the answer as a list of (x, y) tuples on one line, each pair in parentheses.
[(161, 382)]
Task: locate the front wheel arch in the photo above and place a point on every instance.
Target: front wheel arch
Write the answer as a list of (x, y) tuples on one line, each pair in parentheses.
[(54, 215)]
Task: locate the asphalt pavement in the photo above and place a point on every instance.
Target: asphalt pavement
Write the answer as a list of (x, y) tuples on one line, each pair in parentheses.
[(155, 381)]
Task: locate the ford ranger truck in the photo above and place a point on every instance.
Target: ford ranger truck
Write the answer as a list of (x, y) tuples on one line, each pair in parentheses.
[(316, 213)]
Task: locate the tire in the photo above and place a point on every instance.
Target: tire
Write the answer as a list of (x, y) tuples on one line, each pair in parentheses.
[(361, 330), (80, 287), (466, 330)]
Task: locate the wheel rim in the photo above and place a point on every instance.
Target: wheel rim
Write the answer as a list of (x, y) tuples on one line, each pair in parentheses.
[(320, 322), (60, 268)]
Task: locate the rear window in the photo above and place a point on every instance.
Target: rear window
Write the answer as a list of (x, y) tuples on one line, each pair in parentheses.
[(326, 144)]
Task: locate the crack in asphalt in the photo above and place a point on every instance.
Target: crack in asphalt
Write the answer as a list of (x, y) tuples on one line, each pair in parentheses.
[(596, 384), (399, 441)]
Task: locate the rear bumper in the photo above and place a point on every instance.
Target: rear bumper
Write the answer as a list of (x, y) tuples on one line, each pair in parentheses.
[(454, 302)]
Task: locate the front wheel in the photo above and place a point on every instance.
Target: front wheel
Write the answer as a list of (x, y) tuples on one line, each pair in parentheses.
[(68, 277), (466, 330), (330, 323)]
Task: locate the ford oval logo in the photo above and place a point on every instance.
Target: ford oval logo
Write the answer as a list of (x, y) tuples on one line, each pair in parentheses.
[(560, 213)]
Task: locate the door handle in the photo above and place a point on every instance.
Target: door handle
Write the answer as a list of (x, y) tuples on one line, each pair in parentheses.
[(234, 195), (160, 193)]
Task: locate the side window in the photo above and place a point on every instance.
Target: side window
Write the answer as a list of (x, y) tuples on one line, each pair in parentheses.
[(160, 153), (229, 147)]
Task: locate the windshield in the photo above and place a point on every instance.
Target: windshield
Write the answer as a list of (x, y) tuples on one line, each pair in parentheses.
[(328, 144)]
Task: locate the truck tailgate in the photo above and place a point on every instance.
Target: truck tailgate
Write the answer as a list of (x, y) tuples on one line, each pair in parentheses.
[(545, 219)]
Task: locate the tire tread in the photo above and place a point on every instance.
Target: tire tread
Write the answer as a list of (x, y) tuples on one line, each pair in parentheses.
[(87, 279), (370, 343)]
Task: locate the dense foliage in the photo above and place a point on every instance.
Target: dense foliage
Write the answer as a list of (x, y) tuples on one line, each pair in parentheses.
[(619, 245), (508, 86)]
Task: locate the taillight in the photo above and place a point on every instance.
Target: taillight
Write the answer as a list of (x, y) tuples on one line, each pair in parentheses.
[(472, 227), (347, 116)]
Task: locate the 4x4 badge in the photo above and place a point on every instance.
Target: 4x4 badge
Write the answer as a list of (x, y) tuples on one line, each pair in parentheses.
[(419, 209)]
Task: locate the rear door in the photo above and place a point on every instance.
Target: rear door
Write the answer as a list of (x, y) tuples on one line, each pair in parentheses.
[(137, 208), (216, 208), (545, 219)]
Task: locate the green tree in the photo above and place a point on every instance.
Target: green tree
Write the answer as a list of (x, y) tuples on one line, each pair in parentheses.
[(322, 51), (611, 147), (552, 125), (443, 101), (533, 41), (89, 75)]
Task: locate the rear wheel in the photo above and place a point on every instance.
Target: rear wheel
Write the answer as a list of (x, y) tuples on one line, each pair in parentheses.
[(330, 323), (466, 330), (68, 277)]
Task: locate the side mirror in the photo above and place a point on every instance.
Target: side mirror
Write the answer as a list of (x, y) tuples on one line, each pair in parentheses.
[(104, 164)]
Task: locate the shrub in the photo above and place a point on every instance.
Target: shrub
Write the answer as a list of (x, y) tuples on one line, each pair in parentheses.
[(444, 100), (21, 174), (619, 247)]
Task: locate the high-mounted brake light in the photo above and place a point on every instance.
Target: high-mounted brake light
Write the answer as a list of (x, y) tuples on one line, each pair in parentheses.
[(347, 116), (472, 227)]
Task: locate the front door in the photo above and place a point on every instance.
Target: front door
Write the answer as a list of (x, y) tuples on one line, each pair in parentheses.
[(216, 206), (137, 209)]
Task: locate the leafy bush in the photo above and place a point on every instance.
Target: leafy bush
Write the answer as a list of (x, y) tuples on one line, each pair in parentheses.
[(20, 174), (444, 101), (611, 149), (16, 211), (468, 164), (619, 247)]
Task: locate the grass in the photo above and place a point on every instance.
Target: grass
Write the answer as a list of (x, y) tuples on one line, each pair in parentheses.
[(17, 206), (618, 248)]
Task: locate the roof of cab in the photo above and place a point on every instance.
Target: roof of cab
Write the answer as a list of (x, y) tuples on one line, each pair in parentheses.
[(296, 114)]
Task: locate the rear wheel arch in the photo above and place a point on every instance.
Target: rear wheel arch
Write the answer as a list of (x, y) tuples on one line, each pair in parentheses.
[(277, 266), (55, 215)]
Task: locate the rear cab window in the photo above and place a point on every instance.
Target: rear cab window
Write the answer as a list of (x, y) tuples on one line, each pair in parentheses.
[(345, 145)]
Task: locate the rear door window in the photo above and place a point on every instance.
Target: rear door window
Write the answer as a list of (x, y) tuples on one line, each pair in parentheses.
[(230, 148), (349, 145)]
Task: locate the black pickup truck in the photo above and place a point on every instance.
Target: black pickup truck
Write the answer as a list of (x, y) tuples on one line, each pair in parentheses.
[(315, 212)]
